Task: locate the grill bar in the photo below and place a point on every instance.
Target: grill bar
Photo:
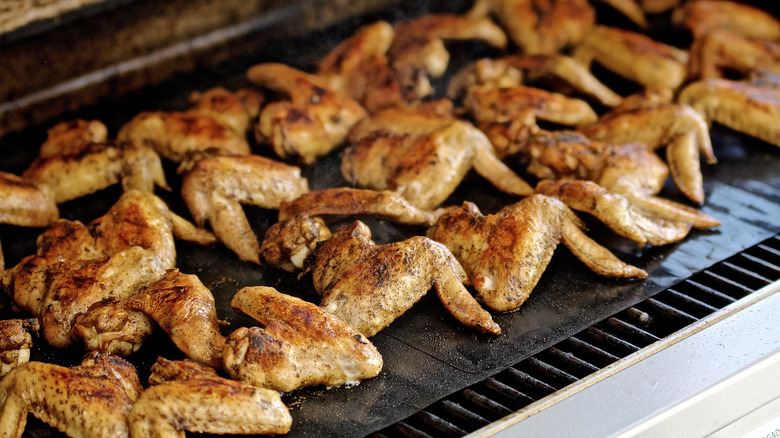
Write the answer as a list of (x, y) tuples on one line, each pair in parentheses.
[(598, 346)]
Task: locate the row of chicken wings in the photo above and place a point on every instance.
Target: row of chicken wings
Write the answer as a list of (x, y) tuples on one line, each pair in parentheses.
[(404, 149)]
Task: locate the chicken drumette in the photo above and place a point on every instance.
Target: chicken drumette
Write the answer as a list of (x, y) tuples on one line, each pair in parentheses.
[(506, 253), (298, 345), (90, 400), (15, 342), (368, 286), (185, 396)]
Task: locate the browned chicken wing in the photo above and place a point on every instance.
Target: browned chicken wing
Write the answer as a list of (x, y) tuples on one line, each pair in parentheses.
[(70, 175), (425, 168), (179, 303), (721, 53), (215, 187), (311, 121), (288, 243), (505, 254), (704, 16), (71, 136), (540, 26), (90, 400), (368, 286), (238, 109), (744, 106), (15, 342), (185, 396), (24, 203), (298, 345)]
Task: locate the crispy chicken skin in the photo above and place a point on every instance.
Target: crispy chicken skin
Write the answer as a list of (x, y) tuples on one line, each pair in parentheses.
[(540, 26), (561, 71), (741, 105), (426, 168), (634, 56), (348, 201), (24, 203), (299, 344), (506, 253), (288, 243), (368, 286), (178, 303), (185, 396), (16, 342), (90, 400), (704, 16), (311, 120), (70, 175), (57, 291), (72, 135), (214, 189)]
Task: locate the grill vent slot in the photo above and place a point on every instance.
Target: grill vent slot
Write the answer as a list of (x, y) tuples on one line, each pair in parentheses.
[(595, 347)]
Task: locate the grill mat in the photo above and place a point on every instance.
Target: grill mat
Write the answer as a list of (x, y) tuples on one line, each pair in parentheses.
[(427, 354)]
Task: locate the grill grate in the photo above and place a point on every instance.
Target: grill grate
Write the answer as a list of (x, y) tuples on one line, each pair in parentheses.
[(595, 347)]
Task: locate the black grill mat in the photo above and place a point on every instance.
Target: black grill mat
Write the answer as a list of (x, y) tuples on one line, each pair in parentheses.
[(427, 354)]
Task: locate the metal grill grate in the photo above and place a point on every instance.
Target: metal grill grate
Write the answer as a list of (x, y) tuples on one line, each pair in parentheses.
[(595, 347)]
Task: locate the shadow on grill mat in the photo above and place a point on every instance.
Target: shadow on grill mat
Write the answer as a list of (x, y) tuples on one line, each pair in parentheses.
[(574, 323)]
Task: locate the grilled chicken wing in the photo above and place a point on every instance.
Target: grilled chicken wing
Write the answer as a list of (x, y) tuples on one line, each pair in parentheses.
[(348, 201), (288, 243), (426, 168), (57, 291), (634, 56), (368, 286), (185, 396), (312, 121), (71, 136), (704, 16), (721, 53), (506, 253), (24, 203), (90, 400), (298, 345), (69, 175), (15, 342), (516, 70), (540, 26), (741, 105), (214, 189), (677, 127), (239, 109), (179, 303)]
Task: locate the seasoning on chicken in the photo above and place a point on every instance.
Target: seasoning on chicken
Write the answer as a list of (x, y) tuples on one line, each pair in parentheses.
[(299, 344), (348, 201), (288, 243), (312, 118), (540, 26), (90, 400), (368, 286), (506, 253), (16, 342), (634, 56), (215, 187), (178, 303), (751, 107), (425, 168), (96, 166), (658, 123), (184, 396)]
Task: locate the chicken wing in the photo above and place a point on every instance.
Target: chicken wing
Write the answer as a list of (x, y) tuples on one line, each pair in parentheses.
[(704, 16), (90, 400), (505, 254), (214, 189), (57, 291), (312, 121), (741, 105), (15, 342), (185, 396), (540, 26), (288, 243), (298, 345), (24, 203), (70, 175), (179, 303), (239, 109), (71, 136), (426, 168), (722, 53), (368, 286)]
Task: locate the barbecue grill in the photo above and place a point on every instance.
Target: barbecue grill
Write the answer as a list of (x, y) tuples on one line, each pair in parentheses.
[(692, 350)]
